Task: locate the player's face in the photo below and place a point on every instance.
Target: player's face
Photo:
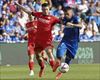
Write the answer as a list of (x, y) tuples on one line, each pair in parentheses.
[(45, 10), (69, 13)]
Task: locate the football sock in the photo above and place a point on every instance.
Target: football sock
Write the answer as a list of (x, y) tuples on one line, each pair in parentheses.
[(42, 69), (42, 64), (52, 62), (67, 60), (31, 65)]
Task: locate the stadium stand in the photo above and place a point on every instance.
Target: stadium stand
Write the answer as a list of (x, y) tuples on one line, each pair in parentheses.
[(12, 19)]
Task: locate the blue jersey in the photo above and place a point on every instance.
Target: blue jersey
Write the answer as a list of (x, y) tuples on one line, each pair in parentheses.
[(71, 34)]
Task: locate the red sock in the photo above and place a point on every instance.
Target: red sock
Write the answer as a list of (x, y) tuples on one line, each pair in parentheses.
[(52, 62), (57, 64), (42, 64), (31, 65)]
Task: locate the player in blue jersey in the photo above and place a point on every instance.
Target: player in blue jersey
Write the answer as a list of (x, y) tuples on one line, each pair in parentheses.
[(69, 43)]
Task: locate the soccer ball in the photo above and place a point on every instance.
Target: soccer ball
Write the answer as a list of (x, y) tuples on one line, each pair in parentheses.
[(64, 67)]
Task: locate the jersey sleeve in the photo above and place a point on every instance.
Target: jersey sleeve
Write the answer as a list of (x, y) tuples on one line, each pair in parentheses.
[(31, 24), (56, 20)]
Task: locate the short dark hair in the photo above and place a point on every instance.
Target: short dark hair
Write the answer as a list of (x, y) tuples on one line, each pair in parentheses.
[(67, 8), (45, 5)]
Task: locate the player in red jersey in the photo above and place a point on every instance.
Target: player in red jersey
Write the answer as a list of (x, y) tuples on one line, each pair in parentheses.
[(45, 23), (31, 29), (44, 35)]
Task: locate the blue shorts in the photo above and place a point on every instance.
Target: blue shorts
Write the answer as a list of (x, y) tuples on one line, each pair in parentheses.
[(67, 47)]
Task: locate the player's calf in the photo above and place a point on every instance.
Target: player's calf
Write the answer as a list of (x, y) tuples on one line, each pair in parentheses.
[(41, 64), (51, 60)]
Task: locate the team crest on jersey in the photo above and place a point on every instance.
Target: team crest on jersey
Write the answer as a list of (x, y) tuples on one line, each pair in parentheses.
[(49, 17)]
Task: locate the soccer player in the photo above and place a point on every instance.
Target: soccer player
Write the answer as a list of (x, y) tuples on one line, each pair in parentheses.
[(45, 23), (69, 43), (31, 29), (44, 35)]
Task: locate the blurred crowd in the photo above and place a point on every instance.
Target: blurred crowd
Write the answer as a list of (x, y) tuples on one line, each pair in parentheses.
[(13, 20)]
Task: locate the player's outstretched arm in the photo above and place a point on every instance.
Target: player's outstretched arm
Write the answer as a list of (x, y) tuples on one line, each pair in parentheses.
[(23, 8), (71, 25), (78, 25), (50, 3)]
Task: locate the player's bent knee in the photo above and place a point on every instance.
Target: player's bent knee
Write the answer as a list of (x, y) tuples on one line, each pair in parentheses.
[(38, 56), (31, 57), (49, 51)]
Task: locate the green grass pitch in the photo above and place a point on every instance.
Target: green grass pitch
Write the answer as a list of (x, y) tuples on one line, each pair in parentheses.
[(77, 72)]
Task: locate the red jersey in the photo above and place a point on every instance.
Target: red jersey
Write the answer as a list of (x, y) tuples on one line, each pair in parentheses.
[(45, 25), (31, 31)]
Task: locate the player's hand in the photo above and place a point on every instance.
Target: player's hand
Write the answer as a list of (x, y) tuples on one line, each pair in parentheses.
[(16, 2)]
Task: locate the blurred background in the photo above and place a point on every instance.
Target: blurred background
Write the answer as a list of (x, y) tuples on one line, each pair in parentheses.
[(13, 44), (13, 20)]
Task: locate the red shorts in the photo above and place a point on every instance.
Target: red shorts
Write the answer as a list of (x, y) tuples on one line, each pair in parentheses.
[(42, 45), (30, 48)]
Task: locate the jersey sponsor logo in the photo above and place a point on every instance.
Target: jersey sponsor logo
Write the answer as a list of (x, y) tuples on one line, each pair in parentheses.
[(44, 20)]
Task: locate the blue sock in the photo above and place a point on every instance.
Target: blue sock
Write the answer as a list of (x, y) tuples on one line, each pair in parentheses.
[(68, 60)]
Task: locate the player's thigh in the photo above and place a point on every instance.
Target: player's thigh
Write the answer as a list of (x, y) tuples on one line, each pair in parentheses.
[(39, 56), (30, 49), (31, 56), (61, 49)]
